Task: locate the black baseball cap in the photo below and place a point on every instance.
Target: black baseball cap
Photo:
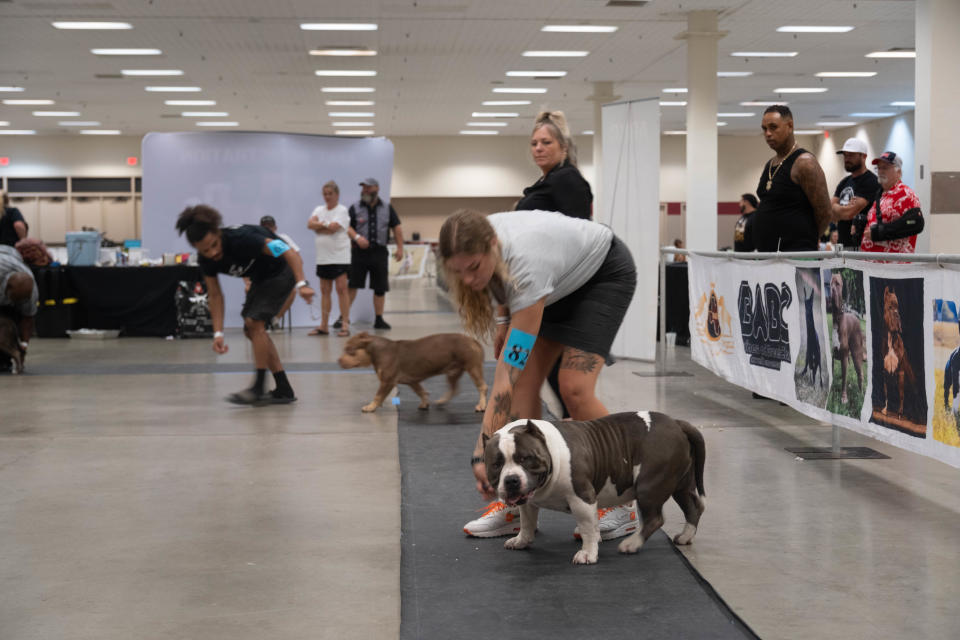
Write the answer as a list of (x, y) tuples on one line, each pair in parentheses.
[(891, 157)]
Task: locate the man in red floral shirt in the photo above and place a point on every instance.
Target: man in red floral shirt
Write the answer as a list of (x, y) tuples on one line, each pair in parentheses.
[(894, 229)]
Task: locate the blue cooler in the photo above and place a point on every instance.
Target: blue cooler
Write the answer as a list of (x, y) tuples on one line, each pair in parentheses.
[(83, 248)]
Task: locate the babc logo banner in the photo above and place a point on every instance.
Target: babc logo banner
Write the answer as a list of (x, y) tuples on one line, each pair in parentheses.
[(872, 347)]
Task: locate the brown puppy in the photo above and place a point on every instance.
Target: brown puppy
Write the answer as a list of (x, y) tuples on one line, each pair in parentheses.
[(411, 361), (10, 342), (899, 373), (846, 326)]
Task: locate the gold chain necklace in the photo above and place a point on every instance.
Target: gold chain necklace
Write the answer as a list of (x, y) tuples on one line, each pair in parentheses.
[(770, 175)]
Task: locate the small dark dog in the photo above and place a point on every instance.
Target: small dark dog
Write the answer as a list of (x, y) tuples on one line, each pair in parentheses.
[(411, 361), (852, 345), (813, 343), (10, 343), (951, 379), (898, 372)]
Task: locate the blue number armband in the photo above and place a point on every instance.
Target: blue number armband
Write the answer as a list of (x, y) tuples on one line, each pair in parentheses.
[(277, 247), (517, 351)]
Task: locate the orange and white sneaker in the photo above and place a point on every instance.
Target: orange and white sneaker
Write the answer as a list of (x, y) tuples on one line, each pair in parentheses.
[(497, 520), (615, 522)]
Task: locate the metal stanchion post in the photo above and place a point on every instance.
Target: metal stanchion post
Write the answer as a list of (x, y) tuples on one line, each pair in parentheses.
[(662, 346)]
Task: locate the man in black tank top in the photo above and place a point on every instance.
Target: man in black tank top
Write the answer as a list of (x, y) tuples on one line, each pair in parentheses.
[(794, 202)]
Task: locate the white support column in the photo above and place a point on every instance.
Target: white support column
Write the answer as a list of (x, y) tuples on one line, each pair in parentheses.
[(602, 94), (937, 172), (701, 176)]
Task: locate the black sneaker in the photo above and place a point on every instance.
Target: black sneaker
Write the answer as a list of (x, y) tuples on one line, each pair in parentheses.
[(381, 324), (249, 397), (282, 398), (339, 323)]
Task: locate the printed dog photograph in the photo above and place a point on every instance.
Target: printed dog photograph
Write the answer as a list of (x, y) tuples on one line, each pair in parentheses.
[(811, 376), (946, 372), (896, 322), (847, 327)]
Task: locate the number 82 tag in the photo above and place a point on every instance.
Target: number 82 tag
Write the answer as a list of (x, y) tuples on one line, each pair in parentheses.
[(517, 351)]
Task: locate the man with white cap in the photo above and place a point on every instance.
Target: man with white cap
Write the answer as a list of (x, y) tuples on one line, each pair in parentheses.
[(894, 220), (855, 193)]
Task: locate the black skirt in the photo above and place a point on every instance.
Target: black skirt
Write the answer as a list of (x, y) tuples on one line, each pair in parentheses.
[(589, 318)]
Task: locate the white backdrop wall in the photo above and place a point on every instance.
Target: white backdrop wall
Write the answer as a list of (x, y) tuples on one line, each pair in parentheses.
[(631, 207), (249, 175)]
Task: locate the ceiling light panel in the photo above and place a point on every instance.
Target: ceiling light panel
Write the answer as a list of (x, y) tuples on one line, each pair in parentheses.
[(79, 123), (675, 90), (505, 103), (126, 52), (100, 132), (764, 54), (808, 132), (173, 89), (891, 54), (350, 103), (347, 89), (204, 114), (352, 114), (56, 114), (872, 114), (762, 103), (27, 101), (218, 124), (903, 103), (486, 124), (93, 26), (478, 132), (536, 74), (519, 90), (190, 103), (555, 54), (11, 89), (673, 103), (151, 72), (17, 132), (343, 52), (352, 124), (814, 29), (845, 74), (836, 124), (801, 90), (736, 114), (492, 114), (345, 73), (734, 74), (354, 132), (578, 28), (338, 26)]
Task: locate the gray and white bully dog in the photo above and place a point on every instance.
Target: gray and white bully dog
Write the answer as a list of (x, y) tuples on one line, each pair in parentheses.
[(577, 467)]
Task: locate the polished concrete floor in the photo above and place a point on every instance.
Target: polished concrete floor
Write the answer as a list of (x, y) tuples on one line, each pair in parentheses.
[(137, 504)]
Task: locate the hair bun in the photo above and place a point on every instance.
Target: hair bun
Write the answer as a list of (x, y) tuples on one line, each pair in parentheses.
[(557, 118)]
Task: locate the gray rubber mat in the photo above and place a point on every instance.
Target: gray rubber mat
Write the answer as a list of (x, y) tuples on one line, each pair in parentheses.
[(453, 586)]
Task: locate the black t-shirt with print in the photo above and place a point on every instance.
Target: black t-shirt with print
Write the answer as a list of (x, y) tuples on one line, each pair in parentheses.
[(863, 186), (243, 255)]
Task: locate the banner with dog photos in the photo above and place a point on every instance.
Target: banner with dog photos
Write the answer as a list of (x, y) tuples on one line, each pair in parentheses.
[(869, 346)]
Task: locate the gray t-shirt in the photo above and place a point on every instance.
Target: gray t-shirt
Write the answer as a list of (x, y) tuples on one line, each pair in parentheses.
[(549, 255), (11, 263)]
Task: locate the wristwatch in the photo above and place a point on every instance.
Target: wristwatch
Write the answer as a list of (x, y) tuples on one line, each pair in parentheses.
[(302, 283)]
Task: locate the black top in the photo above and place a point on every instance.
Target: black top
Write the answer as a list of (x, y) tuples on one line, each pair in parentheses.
[(563, 189), (243, 254), (8, 235), (864, 186), (743, 233), (366, 221), (784, 220)]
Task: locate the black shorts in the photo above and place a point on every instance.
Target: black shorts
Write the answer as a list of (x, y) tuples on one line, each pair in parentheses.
[(374, 262), (332, 271), (589, 318), (266, 298)]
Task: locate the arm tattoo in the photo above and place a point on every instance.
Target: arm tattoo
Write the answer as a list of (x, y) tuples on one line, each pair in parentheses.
[(814, 184), (501, 408), (580, 360)]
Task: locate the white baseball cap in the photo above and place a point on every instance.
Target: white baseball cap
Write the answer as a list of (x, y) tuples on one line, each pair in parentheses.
[(854, 145)]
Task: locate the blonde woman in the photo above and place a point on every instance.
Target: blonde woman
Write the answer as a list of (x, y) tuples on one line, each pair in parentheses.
[(539, 306), (561, 187), (330, 222)]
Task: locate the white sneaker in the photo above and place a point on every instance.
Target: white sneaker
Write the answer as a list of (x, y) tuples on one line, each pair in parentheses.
[(497, 520), (615, 522)]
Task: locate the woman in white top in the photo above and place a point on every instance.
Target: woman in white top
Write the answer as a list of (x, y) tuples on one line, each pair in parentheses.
[(561, 287), (330, 223)]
